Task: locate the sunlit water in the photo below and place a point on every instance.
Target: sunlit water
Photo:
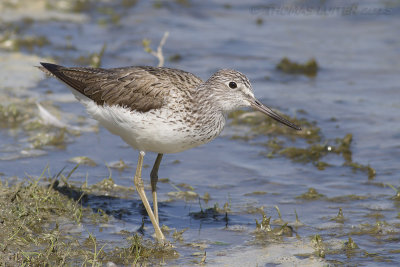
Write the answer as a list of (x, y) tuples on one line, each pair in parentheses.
[(358, 85)]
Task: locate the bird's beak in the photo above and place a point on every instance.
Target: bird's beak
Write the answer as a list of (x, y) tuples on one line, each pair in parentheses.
[(257, 105)]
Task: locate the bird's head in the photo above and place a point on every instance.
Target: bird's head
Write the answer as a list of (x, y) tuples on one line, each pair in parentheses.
[(231, 89)]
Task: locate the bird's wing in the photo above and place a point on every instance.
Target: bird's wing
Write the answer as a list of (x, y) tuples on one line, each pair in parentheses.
[(137, 88)]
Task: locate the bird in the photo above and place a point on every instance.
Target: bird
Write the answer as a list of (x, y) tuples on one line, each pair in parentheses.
[(159, 109)]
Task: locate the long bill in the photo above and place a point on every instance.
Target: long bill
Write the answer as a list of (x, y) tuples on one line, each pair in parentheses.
[(257, 105)]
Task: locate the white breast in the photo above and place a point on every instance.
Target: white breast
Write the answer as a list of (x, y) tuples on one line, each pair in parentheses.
[(160, 131)]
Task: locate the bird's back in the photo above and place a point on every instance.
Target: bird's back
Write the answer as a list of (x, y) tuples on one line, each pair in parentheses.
[(137, 88), (150, 108)]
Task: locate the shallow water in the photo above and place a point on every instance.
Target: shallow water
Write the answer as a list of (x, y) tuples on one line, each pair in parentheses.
[(355, 91)]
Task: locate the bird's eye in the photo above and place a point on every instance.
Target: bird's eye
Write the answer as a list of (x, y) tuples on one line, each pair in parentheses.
[(232, 85)]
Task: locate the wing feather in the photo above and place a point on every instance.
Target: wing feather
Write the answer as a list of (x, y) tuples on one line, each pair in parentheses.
[(138, 88)]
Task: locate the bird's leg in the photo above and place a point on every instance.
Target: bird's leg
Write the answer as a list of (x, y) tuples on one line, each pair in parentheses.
[(154, 179), (140, 189)]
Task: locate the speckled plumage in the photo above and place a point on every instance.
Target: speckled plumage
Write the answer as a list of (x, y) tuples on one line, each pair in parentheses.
[(161, 110)]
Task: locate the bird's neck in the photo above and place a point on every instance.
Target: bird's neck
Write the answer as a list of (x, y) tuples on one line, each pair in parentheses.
[(206, 110), (206, 100)]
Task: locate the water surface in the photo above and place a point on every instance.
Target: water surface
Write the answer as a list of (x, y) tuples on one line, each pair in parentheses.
[(356, 90)]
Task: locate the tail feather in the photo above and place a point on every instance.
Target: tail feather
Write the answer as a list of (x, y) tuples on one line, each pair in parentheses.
[(77, 87)]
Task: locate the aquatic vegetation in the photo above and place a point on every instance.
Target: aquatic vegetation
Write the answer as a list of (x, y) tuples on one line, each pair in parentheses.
[(129, 3), (350, 245), (186, 186), (214, 212), (21, 118), (29, 43), (140, 252), (339, 217), (311, 194), (94, 59), (12, 116), (76, 6), (175, 58), (157, 4), (263, 125), (264, 224), (284, 141), (256, 193), (347, 198), (370, 215), (110, 16), (83, 160), (178, 235), (37, 218), (182, 194), (206, 197), (397, 191), (310, 68), (312, 154), (364, 168), (119, 165), (319, 246), (265, 232)]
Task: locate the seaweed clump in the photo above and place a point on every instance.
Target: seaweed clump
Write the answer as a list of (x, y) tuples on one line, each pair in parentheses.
[(311, 194), (310, 68), (20, 117), (312, 149)]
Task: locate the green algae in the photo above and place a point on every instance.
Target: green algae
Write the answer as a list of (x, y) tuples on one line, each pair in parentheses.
[(311, 194), (256, 193), (186, 186), (164, 180), (364, 168), (310, 68), (339, 218), (187, 195), (305, 155), (29, 43), (175, 58), (22, 118), (146, 45), (37, 216), (265, 232), (376, 215), (73, 6), (214, 212), (264, 225), (283, 141), (346, 198), (264, 125), (119, 165), (140, 252), (397, 192), (11, 115), (93, 59), (129, 3), (110, 16), (379, 229), (56, 139), (319, 246), (350, 247), (178, 235), (321, 165), (206, 197)]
